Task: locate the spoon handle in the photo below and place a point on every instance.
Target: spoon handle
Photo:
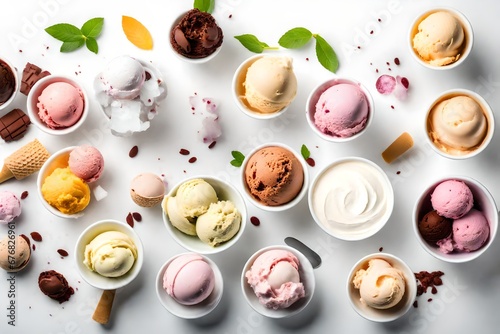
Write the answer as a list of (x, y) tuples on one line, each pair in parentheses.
[(311, 255), (103, 309)]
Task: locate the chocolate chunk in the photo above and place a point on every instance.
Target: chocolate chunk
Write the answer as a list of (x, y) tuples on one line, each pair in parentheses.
[(14, 125), (31, 74), (181, 40), (55, 285)]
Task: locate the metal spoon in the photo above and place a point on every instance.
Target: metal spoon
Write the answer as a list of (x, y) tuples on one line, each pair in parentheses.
[(311, 255)]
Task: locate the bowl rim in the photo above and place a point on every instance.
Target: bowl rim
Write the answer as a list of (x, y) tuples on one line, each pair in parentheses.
[(390, 197), (307, 278), (37, 89), (242, 67), (15, 72), (277, 208), (488, 112), (410, 291), (461, 257), (93, 278), (320, 88), (190, 311), (468, 32), (206, 249)]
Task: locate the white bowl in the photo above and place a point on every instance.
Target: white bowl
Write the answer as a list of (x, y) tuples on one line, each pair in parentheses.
[(282, 207), (488, 112), (468, 32), (239, 78), (225, 191), (57, 160), (186, 59), (190, 311), (16, 83), (93, 278), (482, 200), (307, 278), (37, 90), (314, 96), (392, 313), (341, 231)]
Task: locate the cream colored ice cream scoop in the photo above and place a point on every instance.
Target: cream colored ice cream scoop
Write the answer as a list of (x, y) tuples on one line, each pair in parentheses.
[(110, 254), (381, 286), (219, 224), (440, 39), (180, 222), (194, 197)]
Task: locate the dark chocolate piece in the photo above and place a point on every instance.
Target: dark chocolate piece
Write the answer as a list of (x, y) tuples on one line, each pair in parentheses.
[(31, 74), (14, 125), (55, 285)]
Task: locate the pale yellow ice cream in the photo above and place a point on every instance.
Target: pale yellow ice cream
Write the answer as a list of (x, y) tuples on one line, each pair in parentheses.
[(440, 39), (180, 222), (194, 197), (111, 254), (270, 84), (219, 224), (381, 286), (457, 125), (65, 191)]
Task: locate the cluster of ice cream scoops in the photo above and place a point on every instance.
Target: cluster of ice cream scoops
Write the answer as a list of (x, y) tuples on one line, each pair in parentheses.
[(129, 92)]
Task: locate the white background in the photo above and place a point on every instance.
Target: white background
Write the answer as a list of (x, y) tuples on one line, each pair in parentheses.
[(465, 303)]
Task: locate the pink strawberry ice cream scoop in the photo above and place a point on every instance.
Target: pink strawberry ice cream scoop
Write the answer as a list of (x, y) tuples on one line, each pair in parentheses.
[(86, 162), (60, 105), (342, 110), (189, 279), (452, 199), (10, 207), (470, 233), (275, 279)]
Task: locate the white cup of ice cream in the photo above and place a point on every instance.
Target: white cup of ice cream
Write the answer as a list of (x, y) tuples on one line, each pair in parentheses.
[(395, 296), (459, 228), (274, 177), (289, 267), (9, 81), (196, 267), (441, 38), (263, 87), (351, 198), (459, 124), (339, 110), (204, 214), (57, 104)]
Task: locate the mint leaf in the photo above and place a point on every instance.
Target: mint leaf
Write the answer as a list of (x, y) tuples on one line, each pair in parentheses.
[(305, 152), (92, 45), (295, 38), (72, 46), (252, 43), (64, 32), (93, 27), (204, 5), (326, 55), (238, 158)]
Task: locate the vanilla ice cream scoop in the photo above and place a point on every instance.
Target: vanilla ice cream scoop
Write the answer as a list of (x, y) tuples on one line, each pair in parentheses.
[(180, 222), (194, 197), (15, 253), (270, 84), (457, 125), (219, 224), (111, 254), (440, 39), (123, 78), (380, 285)]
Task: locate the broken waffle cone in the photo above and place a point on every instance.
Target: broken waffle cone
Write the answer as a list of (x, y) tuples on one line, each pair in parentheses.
[(399, 146), (146, 202), (24, 162)]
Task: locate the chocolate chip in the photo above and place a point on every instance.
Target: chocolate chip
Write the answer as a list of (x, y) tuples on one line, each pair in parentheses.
[(255, 221), (183, 151), (137, 216), (133, 151), (211, 37), (192, 160), (62, 252), (36, 236), (212, 144), (310, 161), (130, 219), (24, 194), (181, 40)]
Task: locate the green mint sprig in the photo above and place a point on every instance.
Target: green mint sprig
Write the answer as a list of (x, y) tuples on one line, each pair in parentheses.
[(74, 38), (306, 154), (238, 158), (293, 39), (204, 5), (253, 44)]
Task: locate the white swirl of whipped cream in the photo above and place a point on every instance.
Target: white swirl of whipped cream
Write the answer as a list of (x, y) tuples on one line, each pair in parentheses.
[(352, 197)]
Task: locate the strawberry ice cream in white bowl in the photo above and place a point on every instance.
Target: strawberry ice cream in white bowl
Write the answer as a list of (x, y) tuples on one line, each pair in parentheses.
[(278, 281), (57, 104), (455, 219), (339, 110)]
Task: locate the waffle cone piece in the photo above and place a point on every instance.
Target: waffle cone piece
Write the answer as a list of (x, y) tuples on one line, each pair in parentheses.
[(399, 146), (145, 202), (24, 162)]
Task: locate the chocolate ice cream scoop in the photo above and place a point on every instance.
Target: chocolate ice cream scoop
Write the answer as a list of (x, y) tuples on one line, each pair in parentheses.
[(434, 227), (197, 35), (54, 285), (7, 82)]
